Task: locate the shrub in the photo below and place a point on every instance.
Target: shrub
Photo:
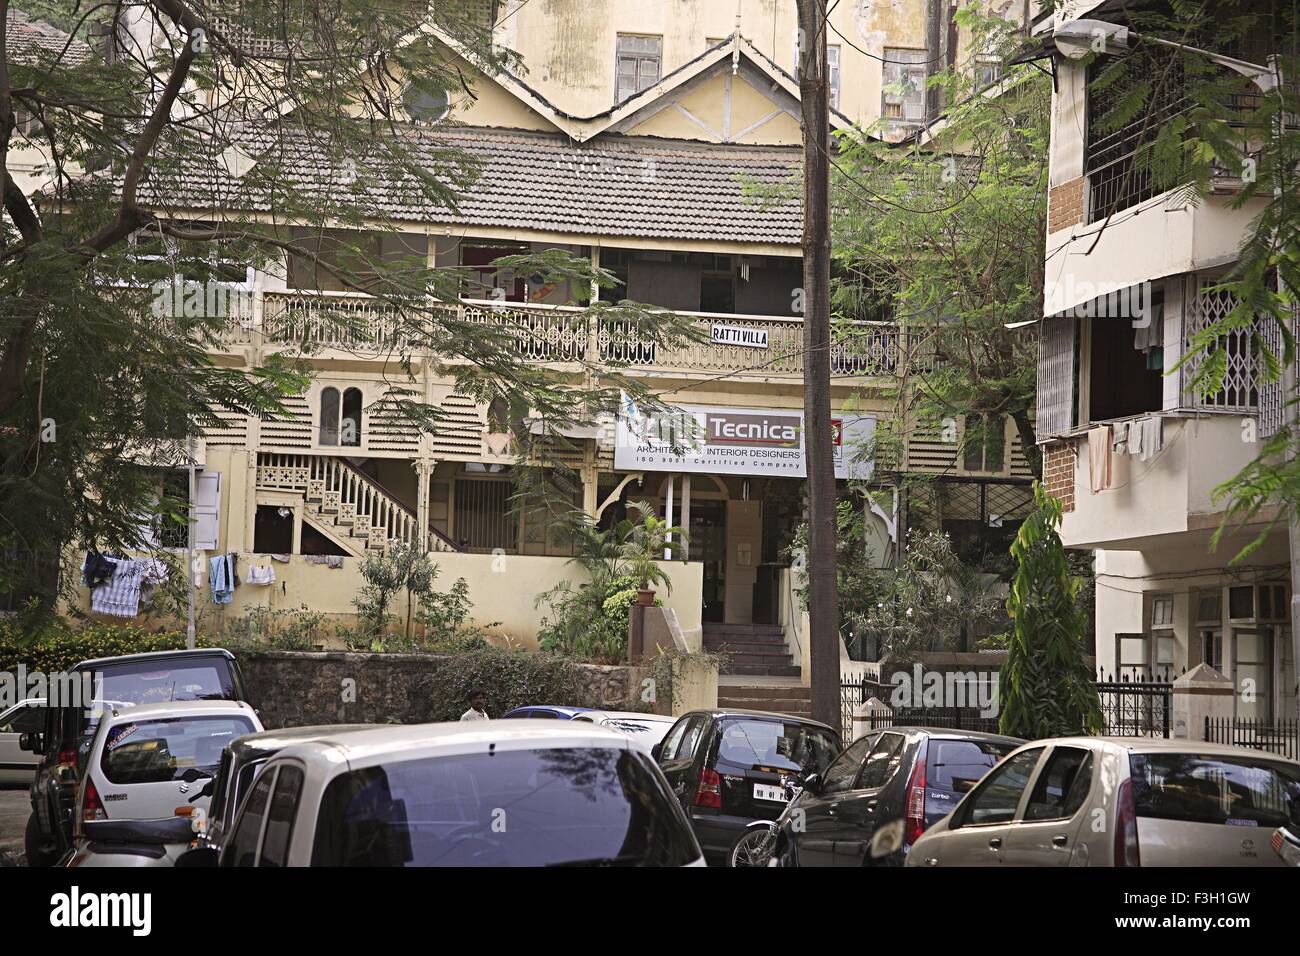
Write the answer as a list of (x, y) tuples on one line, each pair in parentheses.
[(509, 678), (58, 647)]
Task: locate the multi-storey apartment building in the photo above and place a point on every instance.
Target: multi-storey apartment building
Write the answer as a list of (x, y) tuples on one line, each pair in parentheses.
[(628, 140), (1129, 447)]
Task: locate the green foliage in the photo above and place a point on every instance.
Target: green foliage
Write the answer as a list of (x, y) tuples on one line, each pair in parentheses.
[(1046, 687), (60, 646), (947, 238), (281, 629), (509, 678), (404, 573), (932, 600), (644, 542)]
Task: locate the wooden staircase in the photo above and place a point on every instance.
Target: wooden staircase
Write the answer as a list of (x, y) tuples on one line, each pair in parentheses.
[(348, 505)]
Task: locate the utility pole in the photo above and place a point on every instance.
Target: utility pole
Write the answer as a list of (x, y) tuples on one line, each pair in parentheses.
[(823, 602)]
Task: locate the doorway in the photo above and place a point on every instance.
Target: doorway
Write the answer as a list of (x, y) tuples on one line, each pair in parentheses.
[(708, 545), (1252, 672)]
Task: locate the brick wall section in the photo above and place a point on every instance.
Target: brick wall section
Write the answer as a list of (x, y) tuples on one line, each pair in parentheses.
[(1058, 472), (1065, 205)]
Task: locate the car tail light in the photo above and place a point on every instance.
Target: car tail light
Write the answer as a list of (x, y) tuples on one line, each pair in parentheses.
[(914, 816), (1126, 827), (709, 792), (92, 807), (67, 758)]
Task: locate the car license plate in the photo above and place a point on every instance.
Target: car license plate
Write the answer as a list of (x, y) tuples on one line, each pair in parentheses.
[(763, 791)]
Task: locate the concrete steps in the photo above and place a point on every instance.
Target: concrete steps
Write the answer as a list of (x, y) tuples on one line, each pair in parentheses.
[(756, 650)]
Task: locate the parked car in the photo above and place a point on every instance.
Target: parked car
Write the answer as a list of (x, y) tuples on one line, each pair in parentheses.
[(1286, 843), (149, 762), (729, 768), (1120, 801), (459, 794), (18, 766), (241, 761), (545, 712), (646, 730), (913, 774), (206, 674)]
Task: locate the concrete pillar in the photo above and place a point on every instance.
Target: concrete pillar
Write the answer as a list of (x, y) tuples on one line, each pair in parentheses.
[(685, 522), (668, 516), (423, 469), (1200, 693), (871, 714)]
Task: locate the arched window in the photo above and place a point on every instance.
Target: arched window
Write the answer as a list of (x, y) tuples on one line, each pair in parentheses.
[(351, 427), (329, 416)]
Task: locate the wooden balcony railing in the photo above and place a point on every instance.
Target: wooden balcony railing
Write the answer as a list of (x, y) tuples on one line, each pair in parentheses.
[(563, 334)]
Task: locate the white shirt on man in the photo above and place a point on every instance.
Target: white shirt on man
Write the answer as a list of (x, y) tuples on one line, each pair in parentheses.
[(473, 714)]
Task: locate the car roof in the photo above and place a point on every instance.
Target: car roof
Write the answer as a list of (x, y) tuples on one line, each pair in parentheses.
[(271, 741), (1162, 744), (631, 715), (366, 746), (761, 714), (564, 708), (180, 708), (156, 656), (954, 733)]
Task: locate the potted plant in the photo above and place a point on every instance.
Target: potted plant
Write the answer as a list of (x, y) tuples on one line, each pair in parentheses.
[(645, 542)]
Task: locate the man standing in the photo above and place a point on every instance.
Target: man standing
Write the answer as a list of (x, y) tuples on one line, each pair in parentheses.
[(477, 701)]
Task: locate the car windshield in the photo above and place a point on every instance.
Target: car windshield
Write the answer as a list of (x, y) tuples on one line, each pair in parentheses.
[(157, 751), (1213, 788), (146, 682), (554, 807), (782, 746)]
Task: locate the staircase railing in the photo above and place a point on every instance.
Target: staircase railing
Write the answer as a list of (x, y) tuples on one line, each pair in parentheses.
[(354, 496)]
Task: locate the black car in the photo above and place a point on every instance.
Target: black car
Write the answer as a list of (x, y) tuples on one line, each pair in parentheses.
[(205, 674), (908, 776), (241, 762), (732, 767)]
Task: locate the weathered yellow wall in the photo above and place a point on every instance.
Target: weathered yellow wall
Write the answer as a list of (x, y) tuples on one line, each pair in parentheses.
[(501, 587), (568, 46)]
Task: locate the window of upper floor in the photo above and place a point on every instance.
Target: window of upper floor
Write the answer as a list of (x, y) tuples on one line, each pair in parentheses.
[(903, 86), (639, 63), (339, 419), (832, 69), (984, 444), (369, 261)]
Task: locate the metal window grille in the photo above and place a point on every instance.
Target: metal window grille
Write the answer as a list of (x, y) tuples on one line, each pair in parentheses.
[(484, 520)]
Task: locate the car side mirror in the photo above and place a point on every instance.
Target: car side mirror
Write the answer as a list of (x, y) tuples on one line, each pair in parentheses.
[(812, 783), (656, 750), (204, 856), (31, 742)]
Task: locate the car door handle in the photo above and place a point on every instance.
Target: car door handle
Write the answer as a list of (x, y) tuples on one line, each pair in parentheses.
[(995, 843), (871, 806), (1060, 840)]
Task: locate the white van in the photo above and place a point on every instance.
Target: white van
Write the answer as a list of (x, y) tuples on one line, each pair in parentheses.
[(151, 762)]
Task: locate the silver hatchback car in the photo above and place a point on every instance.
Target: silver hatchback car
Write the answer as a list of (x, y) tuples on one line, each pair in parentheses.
[(1119, 801)]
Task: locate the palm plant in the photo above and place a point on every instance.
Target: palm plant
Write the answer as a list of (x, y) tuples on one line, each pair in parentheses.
[(644, 543)]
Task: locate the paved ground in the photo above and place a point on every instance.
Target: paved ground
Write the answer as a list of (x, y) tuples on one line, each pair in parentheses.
[(14, 808)]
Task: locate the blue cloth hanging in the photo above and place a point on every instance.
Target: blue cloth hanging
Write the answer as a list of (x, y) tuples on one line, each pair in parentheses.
[(223, 582)]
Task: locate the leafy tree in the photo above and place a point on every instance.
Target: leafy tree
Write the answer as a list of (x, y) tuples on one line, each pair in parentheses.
[(283, 118), (946, 236), (1046, 688)]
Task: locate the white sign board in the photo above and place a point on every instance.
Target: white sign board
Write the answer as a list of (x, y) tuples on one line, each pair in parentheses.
[(738, 335), (735, 441)]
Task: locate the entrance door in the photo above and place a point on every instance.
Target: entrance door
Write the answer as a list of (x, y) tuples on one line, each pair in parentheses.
[(708, 544), (1252, 672)]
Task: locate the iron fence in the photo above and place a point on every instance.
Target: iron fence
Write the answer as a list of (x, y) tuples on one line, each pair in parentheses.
[(1135, 708), (1280, 736)]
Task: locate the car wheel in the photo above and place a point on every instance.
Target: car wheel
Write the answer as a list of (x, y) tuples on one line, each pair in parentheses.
[(753, 848), (40, 851)]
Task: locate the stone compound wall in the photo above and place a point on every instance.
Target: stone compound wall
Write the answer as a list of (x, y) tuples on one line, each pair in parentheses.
[(297, 689)]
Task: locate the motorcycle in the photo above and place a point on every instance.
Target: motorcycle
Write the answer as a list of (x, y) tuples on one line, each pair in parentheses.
[(755, 845)]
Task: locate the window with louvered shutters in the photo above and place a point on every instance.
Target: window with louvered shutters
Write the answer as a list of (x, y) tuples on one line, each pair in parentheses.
[(1056, 377)]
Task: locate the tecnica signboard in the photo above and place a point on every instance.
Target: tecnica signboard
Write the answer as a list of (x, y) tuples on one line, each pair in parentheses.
[(734, 441)]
